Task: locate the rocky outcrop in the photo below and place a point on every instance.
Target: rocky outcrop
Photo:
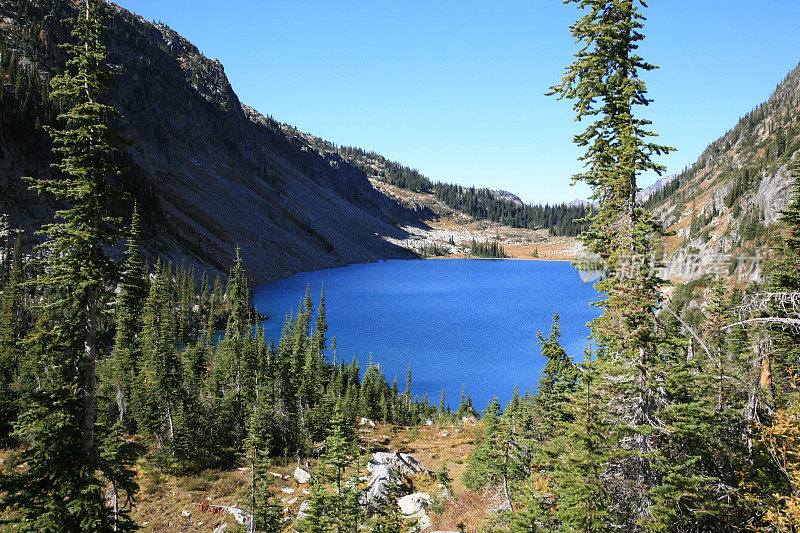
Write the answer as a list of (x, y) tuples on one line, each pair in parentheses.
[(208, 172), (380, 484), (720, 211), (402, 462)]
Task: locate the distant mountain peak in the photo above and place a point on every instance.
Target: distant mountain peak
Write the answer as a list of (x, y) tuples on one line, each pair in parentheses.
[(505, 195)]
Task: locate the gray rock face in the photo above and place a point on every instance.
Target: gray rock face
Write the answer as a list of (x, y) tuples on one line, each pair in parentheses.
[(379, 485), (208, 173), (301, 513), (384, 468), (404, 463), (774, 193)]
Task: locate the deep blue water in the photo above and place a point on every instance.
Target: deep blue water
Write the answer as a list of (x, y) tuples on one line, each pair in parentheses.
[(456, 321)]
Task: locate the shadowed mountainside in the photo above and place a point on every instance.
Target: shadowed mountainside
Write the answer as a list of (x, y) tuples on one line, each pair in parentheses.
[(207, 172)]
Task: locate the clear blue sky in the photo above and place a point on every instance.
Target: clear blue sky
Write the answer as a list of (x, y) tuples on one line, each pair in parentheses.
[(455, 88)]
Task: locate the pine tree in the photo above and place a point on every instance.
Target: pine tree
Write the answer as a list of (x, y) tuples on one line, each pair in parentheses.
[(59, 423), (494, 461), (266, 511), (336, 509), (605, 84), (132, 294), (558, 381)]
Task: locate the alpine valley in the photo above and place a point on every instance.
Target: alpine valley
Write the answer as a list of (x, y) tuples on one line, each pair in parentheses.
[(150, 221)]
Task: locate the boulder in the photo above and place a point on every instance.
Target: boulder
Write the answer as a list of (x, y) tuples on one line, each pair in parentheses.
[(411, 465), (303, 508), (367, 422), (402, 462), (379, 485), (301, 475), (414, 504)]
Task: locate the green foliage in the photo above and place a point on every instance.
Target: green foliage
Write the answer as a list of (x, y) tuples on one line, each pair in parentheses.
[(64, 447), (335, 508), (489, 249)]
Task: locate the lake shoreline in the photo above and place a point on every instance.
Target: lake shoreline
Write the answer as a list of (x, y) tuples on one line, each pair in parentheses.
[(448, 320)]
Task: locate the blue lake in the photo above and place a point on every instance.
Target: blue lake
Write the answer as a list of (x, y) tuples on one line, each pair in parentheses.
[(455, 321)]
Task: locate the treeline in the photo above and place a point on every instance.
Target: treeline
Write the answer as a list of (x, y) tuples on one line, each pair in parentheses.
[(389, 171), (189, 389), (484, 204), (488, 249), (559, 219)]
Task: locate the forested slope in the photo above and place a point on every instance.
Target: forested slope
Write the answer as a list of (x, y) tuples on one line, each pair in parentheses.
[(728, 202)]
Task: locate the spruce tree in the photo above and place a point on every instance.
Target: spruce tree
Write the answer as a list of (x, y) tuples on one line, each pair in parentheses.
[(130, 303), (64, 445), (11, 332), (558, 381), (606, 86)]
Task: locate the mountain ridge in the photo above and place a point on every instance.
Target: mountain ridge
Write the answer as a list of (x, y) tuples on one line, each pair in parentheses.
[(727, 205), (207, 174)]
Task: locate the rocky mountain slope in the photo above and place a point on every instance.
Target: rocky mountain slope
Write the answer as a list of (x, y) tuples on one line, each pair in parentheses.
[(208, 172), (724, 210)]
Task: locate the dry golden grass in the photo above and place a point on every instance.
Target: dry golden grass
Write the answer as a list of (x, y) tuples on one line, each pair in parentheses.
[(161, 499), (519, 243)]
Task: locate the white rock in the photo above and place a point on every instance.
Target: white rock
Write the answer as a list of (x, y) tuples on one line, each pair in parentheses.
[(303, 508), (402, 462), (287, 490), (424, 522), (378, 486), (301, 475), (414, 504), (186, 513)]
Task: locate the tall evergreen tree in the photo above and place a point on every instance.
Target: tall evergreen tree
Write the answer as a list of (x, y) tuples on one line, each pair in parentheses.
[(130, 303), (605, 84), (59, 424), (11, 332)]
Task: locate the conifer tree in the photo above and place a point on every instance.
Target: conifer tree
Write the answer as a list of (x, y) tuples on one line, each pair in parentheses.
[(336, 509), (11, 332), (266, 511), (59, 423), (605, 84), (558, 381), (130, 303)]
